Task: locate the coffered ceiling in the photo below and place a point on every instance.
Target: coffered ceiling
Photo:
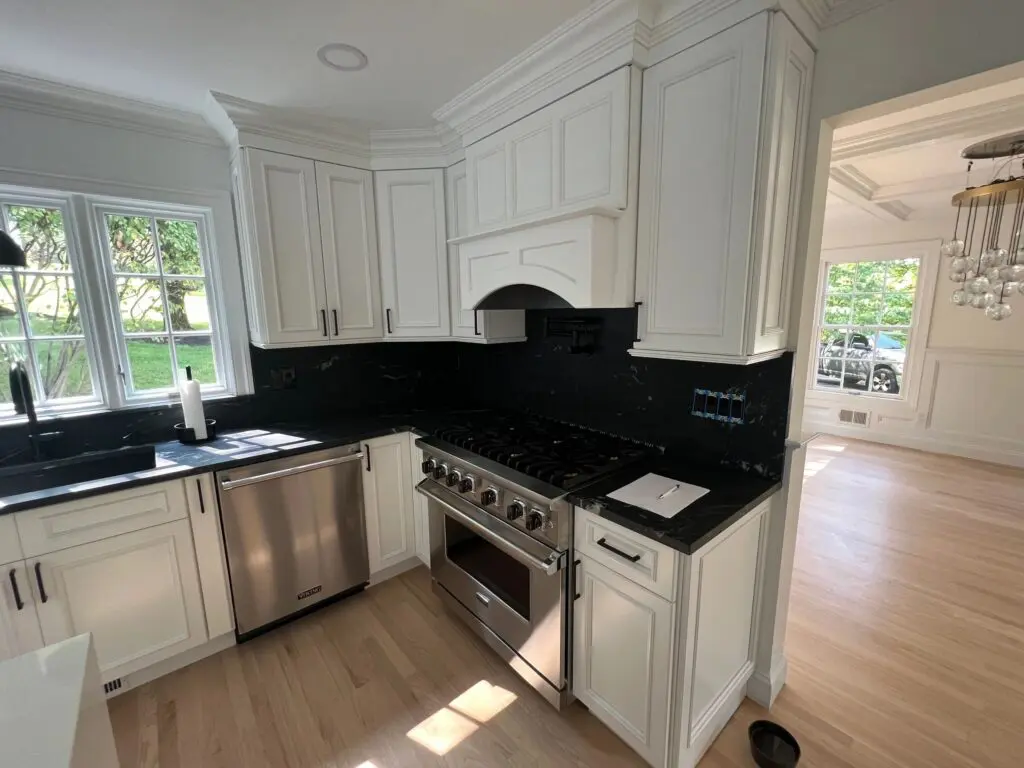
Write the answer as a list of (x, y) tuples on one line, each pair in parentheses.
[(906, 166)]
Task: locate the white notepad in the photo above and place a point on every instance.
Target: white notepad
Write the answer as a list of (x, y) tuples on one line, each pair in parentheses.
[(658, 494)]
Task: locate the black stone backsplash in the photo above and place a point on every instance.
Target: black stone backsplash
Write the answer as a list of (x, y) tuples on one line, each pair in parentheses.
[(643, 398), (646, 399)]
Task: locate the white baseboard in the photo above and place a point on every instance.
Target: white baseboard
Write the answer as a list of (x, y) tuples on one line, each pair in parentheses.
[(394, 570), (765, 688), (173, 664)]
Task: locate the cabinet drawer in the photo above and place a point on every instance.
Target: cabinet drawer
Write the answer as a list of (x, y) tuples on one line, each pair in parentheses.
[(10, 546), (638, 558), (49, 529)]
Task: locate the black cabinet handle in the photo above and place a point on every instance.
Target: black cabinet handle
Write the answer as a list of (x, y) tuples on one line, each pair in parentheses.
[(476, 323), (366, 448), (202, 505), (39, 581), (632, 558), (334, 314), (14, 588), (387, 314), (323, 319), (637, 305), (576, 580)]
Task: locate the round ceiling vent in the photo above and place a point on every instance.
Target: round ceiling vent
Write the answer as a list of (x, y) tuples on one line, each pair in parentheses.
[(342, 57)]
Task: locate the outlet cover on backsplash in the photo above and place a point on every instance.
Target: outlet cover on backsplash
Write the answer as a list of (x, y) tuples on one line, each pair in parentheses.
[(726, 407)]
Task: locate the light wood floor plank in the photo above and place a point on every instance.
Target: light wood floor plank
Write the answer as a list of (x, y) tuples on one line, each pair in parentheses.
[(905, 641)]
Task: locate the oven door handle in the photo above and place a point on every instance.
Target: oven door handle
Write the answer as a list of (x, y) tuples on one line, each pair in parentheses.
[(549, 565)]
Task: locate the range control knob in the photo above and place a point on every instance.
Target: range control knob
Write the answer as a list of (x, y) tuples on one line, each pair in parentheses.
[(428, 466), (453, 477), (466, 485), (440, 471), (534, 521), (488, 497), (515, 510)]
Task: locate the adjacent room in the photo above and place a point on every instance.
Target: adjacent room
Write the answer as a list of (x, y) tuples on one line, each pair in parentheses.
[(550, 383)]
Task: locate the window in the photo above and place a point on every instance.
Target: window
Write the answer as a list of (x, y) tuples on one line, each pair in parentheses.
[(866, 320), (117, 298)]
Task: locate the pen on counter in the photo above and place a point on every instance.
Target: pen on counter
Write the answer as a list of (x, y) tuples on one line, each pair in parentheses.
[(669, 492)]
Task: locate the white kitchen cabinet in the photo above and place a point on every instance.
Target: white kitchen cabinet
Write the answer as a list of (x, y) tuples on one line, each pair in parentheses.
[(623, 637), (420, 512), (723, 131), (308, 239), (211, 560), (387, 496), (413, 253), (137, 593), (348, 232), (19, 622), (568, 156), (284, 265), (480, 326)]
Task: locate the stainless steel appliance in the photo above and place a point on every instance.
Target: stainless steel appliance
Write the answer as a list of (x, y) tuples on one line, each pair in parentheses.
[(501, 533), (295, 535)]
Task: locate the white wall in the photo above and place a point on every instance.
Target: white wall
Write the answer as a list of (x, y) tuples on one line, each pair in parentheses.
[(964, 398)]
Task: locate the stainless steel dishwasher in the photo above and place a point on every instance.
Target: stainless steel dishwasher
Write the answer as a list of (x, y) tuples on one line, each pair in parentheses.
[(295, 535)]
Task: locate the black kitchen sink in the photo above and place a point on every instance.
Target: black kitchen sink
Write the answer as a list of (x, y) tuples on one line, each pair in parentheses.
[(94, 465)]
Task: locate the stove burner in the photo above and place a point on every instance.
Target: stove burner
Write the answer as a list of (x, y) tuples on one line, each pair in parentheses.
[(564, 455)]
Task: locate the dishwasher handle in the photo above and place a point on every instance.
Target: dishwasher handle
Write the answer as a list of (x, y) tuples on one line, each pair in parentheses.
[(227, 485)]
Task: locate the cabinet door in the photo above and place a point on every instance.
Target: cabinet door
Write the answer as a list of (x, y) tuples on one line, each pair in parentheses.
[(204, 516), (138, 593), (19, 623), (290, 264), (413, 253), (348, 230), (387, 494), (621, 661), (698, 167), (420, 513)]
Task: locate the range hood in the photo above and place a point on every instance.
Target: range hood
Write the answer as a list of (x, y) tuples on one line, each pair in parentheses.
[(574, 262)]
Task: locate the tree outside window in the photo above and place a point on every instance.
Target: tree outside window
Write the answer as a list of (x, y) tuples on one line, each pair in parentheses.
[(867, 312)]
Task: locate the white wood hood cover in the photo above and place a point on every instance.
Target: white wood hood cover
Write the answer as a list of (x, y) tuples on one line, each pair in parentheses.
[(577, 259)]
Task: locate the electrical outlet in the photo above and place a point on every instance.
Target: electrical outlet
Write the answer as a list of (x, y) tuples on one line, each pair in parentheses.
[(726, 407), (282, 378)]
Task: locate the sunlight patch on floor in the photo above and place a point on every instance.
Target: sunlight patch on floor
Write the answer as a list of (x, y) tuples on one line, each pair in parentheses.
[(447, 728)]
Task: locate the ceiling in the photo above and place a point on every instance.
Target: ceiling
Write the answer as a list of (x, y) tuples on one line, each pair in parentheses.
[(906, 166), (422, 52)]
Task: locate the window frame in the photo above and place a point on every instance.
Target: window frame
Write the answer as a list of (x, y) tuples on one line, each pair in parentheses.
[(94, 281), (903, 404)]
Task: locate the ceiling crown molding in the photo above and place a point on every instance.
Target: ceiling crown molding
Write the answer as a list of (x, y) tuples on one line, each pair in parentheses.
[(46, 97), (611, 33), (828, 13), (436, 147)]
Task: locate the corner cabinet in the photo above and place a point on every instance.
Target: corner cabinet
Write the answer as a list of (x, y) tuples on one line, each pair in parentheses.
[(480, 326), (413, 253), (388, 502), (309, 250), (723, 132)]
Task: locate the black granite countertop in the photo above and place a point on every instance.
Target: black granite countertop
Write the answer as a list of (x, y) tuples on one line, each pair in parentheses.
[(732, 494), (234, 449)]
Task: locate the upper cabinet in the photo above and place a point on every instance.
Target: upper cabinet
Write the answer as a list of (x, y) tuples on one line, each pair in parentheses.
[(309, 250), (570, 156), (413, 253), (723, 131), (480, 326)]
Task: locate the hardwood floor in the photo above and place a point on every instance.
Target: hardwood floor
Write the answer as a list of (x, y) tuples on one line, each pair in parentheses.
[(905, 646)]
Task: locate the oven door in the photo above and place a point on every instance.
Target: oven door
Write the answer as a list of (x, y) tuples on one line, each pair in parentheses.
[(511, 582)]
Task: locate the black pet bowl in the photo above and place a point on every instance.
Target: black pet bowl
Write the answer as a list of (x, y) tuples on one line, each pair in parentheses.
[(772, 746)]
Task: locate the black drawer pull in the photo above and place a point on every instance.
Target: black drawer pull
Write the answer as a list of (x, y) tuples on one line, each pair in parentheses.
[(637, 305), (199, 489), (39, 581), (366, 450), (576, 579), (14, 587), (334, 313), (387, 315), (323, 319), (632, 558)]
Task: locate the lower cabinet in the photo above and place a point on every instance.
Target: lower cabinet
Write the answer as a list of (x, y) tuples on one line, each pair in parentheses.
[(387, 496), (19, 627), (138, 593), (420, 511), (622, 639)]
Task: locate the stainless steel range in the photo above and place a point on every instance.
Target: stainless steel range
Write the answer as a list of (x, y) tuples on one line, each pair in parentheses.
[(501, 532)]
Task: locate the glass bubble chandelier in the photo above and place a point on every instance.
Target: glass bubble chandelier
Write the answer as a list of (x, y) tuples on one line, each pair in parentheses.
[(987, 249)]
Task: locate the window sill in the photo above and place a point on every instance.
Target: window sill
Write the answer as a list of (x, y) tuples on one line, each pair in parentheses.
[(50, 415)]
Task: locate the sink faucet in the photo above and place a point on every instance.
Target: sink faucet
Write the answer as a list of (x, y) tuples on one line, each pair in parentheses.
[(21, 394)]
